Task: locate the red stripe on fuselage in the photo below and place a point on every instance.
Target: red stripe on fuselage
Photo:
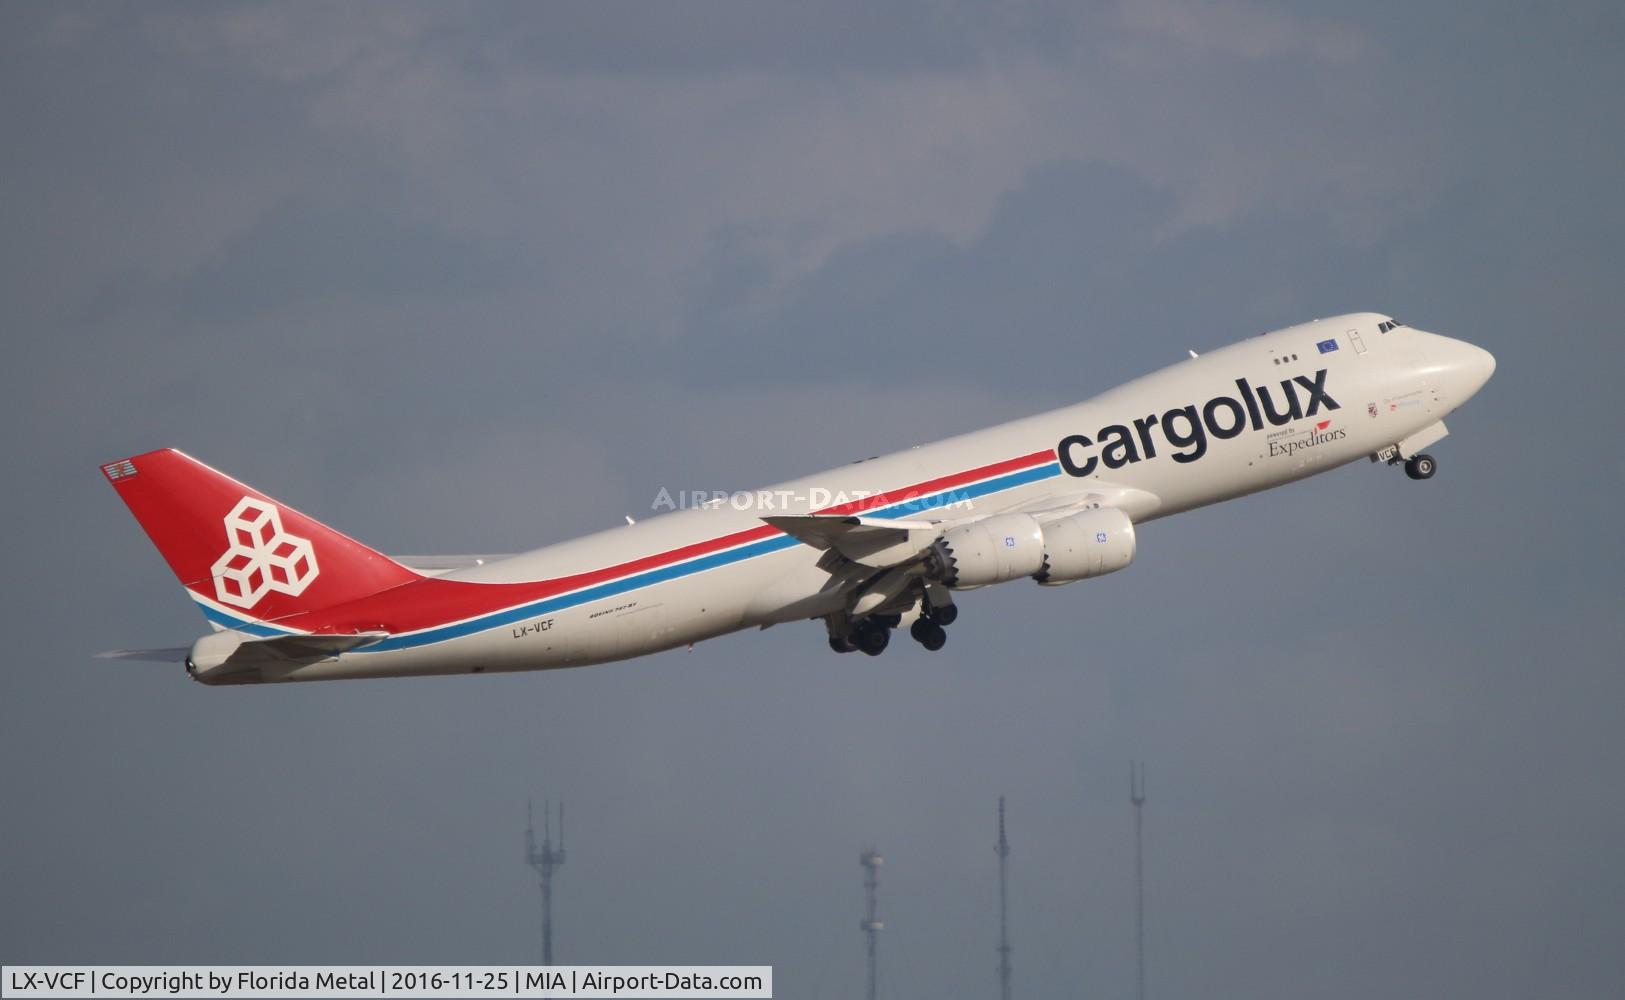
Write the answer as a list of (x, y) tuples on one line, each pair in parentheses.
[(432, 601), (939, 485)]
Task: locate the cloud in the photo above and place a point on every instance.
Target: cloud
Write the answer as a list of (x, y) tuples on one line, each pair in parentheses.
[(483, 277), (1240, 28), (484, 128)]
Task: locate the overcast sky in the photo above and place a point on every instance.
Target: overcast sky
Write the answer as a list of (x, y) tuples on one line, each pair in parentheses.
[(484, 278)]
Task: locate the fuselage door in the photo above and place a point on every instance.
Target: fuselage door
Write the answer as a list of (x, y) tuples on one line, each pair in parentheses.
[(1358, 341)]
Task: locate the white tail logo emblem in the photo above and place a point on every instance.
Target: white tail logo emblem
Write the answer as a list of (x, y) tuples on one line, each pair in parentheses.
[(262, 557)]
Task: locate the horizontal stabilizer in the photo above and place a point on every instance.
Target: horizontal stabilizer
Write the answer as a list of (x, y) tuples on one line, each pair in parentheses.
[(174, 654), (438, 565), (306, 647), (220, 655), (232, 657)]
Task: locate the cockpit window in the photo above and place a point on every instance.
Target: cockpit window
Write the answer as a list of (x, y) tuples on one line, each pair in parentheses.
[(1389, 324)]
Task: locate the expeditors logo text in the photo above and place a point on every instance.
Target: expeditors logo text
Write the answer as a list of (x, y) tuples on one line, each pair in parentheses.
[(1293, 444), (1186, 428)]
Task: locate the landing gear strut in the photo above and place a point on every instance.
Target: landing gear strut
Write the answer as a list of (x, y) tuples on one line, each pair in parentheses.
[(1420, 467), (938, 606)]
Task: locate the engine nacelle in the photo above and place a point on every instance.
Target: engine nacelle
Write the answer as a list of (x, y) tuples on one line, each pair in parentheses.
[(1093, 543), (992, 550)]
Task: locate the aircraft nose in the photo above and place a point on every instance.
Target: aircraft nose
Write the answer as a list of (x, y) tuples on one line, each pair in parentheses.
[(1465, 367), (1477, 365)]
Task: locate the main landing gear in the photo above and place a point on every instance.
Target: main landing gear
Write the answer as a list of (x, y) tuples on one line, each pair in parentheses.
[(872, 638), (928, 633), (872, 635), (1421, 467)]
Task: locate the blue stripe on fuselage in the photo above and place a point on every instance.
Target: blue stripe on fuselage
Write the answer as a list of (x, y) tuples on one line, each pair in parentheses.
[(218, 617), (509, 616)]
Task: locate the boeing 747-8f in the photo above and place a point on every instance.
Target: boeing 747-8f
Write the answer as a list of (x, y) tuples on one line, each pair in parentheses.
[(867, 548)]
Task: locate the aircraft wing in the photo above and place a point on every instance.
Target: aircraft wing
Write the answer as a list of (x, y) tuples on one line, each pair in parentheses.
[(882, 543), (1138, 504), (872, 541)]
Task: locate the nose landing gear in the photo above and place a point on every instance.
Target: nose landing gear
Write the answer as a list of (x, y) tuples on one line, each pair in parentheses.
[(1421, 467), (1417, 466)]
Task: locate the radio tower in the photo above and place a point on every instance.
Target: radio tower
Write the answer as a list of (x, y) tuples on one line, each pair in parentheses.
[(1003, 851), (1136, 796), (871, 925), (546, 861)]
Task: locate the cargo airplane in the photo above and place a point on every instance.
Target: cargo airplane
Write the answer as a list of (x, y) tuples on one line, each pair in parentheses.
[(866, 549)]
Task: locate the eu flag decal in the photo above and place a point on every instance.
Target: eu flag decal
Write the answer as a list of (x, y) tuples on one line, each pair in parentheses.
[(1327, 346)]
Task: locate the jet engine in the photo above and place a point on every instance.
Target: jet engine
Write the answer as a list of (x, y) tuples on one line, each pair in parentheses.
[(992, 550), (1092, 543)]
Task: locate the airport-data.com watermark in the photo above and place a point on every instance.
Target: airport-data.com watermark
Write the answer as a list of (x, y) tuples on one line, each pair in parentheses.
[(793, 501), (223, 982)]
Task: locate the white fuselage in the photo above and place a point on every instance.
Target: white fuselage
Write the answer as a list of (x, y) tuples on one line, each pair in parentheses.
[(1380, 388)]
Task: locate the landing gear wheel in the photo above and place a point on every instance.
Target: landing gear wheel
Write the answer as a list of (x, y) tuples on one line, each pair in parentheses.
[(842, 645), (872, 640), (928, 634), (1421, 467), (945, 615)]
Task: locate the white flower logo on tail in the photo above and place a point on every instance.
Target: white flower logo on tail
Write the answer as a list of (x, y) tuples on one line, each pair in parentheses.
[(262, 557)]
